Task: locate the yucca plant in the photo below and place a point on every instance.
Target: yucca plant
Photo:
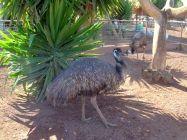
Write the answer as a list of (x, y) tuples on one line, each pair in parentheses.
[(38, 53)]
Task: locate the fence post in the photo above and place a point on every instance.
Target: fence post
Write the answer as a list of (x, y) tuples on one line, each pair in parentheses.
[(103, 32), (146, 27), (181, 35), (136, 21)]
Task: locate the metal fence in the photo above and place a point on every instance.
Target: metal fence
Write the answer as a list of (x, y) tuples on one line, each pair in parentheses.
[(5, 25), (175, 33), (126, 29)]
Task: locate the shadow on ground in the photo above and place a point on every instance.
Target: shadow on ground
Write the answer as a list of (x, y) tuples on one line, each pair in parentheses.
[(135, 120)]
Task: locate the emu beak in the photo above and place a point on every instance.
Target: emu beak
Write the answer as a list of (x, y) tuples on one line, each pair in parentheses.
[(123, 54)]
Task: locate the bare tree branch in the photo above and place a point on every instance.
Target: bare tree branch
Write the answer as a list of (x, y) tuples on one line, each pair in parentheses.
[(174, 12), (150, 9), (161, 17), (177, 12)]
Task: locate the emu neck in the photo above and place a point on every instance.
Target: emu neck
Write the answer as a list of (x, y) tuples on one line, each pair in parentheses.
[(121, 67)]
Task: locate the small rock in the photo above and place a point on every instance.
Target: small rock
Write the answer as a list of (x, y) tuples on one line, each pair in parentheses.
[(156, 75), (147, 74), (131, 89), (167, 77)]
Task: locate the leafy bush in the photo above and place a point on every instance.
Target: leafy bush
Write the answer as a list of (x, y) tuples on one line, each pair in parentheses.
[(124, 13), (38, 53)]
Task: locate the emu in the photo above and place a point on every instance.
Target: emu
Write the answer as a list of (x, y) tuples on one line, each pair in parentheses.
[(139, 40), (88, 77)]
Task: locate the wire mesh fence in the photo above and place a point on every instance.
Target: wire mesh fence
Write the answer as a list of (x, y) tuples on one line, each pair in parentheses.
[(176, 31), (5, 25), (125, 29)]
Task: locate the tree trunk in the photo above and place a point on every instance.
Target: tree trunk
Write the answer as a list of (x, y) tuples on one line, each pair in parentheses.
[(161, 17), (159, 44), (89, 7), (120, 33), (112, 26)]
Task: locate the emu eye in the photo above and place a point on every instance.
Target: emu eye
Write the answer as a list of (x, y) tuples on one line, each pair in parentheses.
[(115, 51)]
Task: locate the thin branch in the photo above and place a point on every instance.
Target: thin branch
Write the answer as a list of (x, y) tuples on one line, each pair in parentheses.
[(177, 12), (150, 8)]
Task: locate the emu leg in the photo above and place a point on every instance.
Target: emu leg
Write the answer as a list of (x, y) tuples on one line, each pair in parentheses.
[(143, 53), (137, 55), (94, 103), (83, 110)]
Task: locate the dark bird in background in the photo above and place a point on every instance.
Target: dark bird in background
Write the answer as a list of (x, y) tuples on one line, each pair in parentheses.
[(139, 40), (88, 77), (128, 52)]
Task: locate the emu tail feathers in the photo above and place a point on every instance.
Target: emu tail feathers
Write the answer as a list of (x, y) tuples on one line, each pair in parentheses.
[(61, 90)]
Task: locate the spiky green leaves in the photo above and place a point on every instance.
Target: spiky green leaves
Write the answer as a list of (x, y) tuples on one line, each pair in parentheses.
[(37, 55)]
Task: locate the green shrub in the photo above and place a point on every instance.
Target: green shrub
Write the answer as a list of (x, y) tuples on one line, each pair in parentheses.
[(38, 53)]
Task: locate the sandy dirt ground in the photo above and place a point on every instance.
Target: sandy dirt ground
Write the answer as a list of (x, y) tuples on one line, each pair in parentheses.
[(142, 109)]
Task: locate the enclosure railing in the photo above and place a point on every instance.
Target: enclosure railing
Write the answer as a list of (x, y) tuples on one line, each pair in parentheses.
[(176, 31), (6, 24)]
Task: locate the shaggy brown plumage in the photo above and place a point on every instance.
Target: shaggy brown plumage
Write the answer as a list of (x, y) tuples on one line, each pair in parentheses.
[(88, 77), (139, 40)]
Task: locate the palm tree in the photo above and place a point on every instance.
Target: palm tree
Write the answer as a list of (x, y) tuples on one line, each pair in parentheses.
[(28, 10)]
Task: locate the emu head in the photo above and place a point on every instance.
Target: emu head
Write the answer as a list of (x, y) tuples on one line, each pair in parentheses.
[(128, 52), (117, 52), (132, 50), (132, 47)]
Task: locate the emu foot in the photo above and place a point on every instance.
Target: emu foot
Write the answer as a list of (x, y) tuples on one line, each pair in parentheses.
[(136, 61), (109, 124), (86, 120)]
